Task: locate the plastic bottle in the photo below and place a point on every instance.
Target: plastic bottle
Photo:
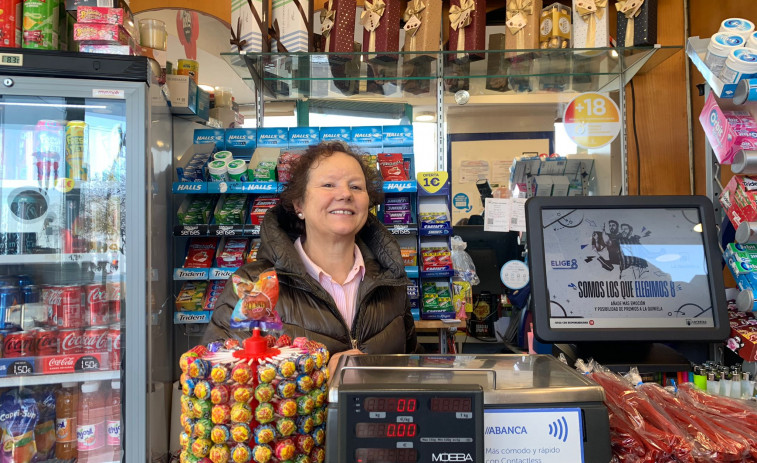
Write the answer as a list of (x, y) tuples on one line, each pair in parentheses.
[(113, 422), (66, 407), (90, 423)]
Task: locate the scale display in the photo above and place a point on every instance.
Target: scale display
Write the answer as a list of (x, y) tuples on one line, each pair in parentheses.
[(411, 426)]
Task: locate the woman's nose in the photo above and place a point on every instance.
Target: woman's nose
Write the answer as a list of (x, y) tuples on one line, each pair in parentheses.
[(345, 192)]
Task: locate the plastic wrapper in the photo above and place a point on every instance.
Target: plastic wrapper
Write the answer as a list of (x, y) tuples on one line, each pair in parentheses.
[(21, 415), (462, 262), (255, 307), (662, 439)]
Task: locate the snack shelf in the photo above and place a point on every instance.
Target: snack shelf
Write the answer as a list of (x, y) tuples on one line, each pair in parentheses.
[(36, 380), (61, 258), (301, 74), (442, 231), (403, 186), (696, 49), (402, 228), (227, 187), (437, 273), (412, 272)]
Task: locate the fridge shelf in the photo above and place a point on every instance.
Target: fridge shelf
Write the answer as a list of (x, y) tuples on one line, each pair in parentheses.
[(204, 230), (15, 381), (60, 258)]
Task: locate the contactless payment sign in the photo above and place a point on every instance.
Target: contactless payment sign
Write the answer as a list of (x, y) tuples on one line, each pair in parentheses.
[(592, 120), (547, 435)]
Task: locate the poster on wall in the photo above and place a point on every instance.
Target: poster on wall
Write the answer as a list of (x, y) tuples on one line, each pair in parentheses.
[(606, 267), (487, 156)]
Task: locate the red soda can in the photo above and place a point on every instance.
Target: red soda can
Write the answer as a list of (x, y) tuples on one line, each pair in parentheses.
[(113, 295), (46, 341), (96, 312), (95, 339), (70, 341), (10, 22), (49, 294), (18, 344), (114, 337), (68, 310)]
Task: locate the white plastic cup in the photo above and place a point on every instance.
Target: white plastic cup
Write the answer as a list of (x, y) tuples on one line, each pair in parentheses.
[(222, 97), (223, 156), (721, 45), (237, 170), (218, 171), (740, 26), (152, 33), (741, 64), (752, 41)]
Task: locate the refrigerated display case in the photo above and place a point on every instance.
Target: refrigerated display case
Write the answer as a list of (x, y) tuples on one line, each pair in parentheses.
[(86, 147)]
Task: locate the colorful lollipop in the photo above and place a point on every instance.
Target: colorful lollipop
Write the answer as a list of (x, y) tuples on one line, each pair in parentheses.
[(266, 373), (287, 368), (220, 434), (202, 390), (264, 392), (219, 374), (241, 373), (202, 428), (241, 413), (220, 453), (201, 447), (241, 453), (305, 405), (286, 427), (240, 432), (242, 393), (264, 434), (219, 394), (304, 443), (286, 389), (220, 414), (264, 413), (319, 435), (285, 449), (261, 453)]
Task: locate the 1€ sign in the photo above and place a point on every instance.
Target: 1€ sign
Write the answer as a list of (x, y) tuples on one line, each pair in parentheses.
[(592, 120), (432, 182)]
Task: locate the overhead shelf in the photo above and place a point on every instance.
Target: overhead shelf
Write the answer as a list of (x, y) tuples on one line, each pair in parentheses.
[(412, 76)]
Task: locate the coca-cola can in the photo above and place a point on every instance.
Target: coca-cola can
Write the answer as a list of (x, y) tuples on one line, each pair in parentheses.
[(46, 341), (113, 295), (95, 339), (70, 341), (18, 344), (51, 293), (114, 337), (69, 310), (96, 312)]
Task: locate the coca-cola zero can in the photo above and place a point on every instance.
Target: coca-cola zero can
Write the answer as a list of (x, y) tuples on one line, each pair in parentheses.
[(96, 312), (46, 341), (18, 344), (70, 341), (95, 339)]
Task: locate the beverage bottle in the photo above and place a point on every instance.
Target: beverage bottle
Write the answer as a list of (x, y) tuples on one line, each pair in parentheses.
[(113, 422), (90, 423), (66, 405)]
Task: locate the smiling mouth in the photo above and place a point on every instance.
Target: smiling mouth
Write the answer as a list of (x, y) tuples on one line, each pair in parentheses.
[(342, 212)]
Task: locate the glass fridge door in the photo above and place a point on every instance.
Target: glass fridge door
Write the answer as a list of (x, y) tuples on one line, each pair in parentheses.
[(62, 276)]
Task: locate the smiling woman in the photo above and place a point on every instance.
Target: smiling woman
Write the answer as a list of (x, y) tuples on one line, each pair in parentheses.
[(341, 277)]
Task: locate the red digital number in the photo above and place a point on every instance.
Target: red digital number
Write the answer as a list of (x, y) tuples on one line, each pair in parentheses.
[(391, 430), (401, 405), (411, 405)]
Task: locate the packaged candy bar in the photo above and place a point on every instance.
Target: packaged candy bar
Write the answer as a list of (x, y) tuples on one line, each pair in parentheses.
[(232, 254), (260, 207), (252, 256), (397, 199), (265, 171), (101, 32), (430, 297), (99, 15), (392, 167), (397, 217), (398, 207), (434, 217), (191, 296), (231, 210), (409, 256), (255, 307), (196, 210), (212, 294), (200, 253)]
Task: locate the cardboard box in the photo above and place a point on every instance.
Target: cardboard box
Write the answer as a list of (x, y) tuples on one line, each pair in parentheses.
[(226, 116), (467, 34), (292, 22), (72, 5), (523, 24), (183, 93), (743, 338), (739, 198), (381, 29), (496, 64), (422, 28), (727, 131), (249, 27), (554, 27), (338, 27), (591, 24), (241, 141), (637, 25), (560, 185), (543, 185)]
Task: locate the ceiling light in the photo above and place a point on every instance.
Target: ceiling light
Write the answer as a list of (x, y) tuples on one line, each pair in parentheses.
[(425, 117)]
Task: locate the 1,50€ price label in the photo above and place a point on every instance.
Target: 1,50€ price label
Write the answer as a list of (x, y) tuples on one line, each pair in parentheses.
[(592, 120)]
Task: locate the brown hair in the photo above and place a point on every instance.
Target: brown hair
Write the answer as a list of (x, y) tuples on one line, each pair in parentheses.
[(300, 173)]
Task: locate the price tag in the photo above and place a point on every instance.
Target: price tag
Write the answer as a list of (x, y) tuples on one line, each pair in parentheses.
[(592, 120), (432, 182)]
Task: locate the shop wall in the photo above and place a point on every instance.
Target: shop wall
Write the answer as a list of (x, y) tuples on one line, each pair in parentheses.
[(705, 17)]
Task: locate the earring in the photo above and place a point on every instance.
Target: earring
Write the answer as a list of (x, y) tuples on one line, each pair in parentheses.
[(301, 216)]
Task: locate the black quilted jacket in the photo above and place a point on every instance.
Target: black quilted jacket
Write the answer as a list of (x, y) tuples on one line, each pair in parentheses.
[(383, 323)]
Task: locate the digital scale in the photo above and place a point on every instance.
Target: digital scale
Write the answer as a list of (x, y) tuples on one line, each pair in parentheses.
[(464, 408)]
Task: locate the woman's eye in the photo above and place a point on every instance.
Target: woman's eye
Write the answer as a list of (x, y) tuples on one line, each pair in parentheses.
[(357, 187), (328, 185)]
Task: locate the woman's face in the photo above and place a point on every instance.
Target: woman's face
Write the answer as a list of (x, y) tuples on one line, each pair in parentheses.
[(336, 200)]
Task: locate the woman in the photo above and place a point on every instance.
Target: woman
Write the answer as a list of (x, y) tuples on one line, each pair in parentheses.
[(342, 281)]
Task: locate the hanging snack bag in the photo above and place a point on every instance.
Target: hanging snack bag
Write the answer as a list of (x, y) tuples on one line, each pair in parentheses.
[(392, 167), (257, 302)]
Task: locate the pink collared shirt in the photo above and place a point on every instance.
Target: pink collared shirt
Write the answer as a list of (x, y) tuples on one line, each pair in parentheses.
[(345, 295)]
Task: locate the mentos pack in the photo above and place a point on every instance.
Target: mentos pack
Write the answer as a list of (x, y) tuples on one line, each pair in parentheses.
[(336, 134), (302, 137), (727, 131), (273, 137), (210, 136), (241, 142)]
